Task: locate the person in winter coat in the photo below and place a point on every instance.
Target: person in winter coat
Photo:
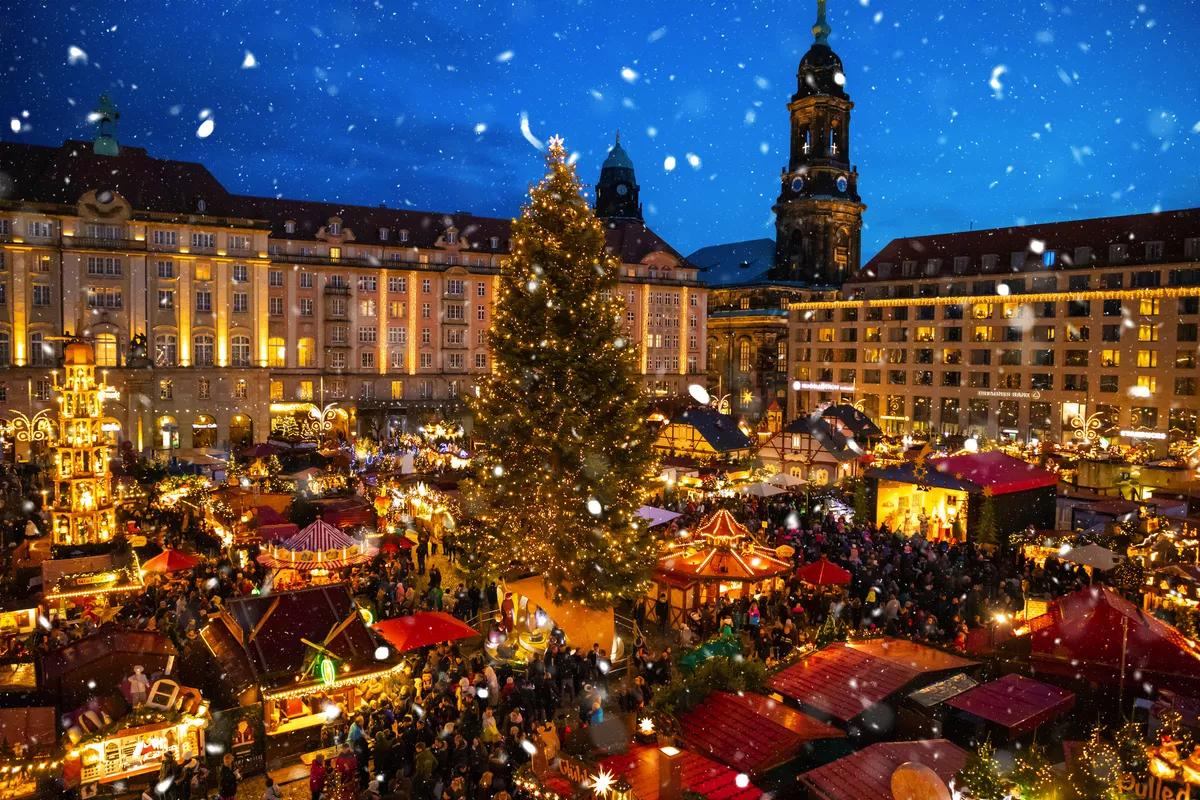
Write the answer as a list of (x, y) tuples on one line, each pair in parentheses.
[(227, 779), (316, 777)]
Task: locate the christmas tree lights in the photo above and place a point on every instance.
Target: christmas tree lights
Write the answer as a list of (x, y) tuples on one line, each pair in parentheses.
[(83, 502), (565, 459)]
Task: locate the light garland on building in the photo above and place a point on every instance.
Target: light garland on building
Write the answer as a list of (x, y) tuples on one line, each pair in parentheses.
[(997, 299)]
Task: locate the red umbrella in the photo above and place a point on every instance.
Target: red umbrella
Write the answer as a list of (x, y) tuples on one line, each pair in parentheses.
[(421, 629), (170, 561), (822, 572)]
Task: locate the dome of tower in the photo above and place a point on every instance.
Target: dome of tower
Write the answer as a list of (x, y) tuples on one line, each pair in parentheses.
[(820, 73), (617, 157)]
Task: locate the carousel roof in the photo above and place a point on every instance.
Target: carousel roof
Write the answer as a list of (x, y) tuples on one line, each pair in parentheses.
[(319, 546), (722, 523), (319, 537), (723, 554)]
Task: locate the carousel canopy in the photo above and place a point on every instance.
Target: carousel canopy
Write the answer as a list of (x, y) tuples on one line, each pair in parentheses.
[(722, 524), (318, 537), (422, 629), (319, 546), (170, 561), (722, 552)]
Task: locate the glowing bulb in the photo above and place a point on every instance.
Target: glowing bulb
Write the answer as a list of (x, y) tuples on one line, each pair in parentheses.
[(742, 780)]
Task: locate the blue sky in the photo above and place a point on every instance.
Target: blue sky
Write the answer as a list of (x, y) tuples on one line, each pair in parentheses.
[(989, 112)]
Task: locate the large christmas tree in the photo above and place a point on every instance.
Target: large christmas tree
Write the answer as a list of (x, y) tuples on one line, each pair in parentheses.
[(566, 458)]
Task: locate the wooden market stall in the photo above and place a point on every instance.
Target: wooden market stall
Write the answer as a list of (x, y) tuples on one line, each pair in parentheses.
[(719, 559), (30, 760), (315, 556), (297, 654)]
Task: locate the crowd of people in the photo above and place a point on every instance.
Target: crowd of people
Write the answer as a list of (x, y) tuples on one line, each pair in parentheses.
[(901, 585)]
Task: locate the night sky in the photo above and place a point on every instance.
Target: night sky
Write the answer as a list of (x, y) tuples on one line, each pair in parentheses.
[(993, 112)]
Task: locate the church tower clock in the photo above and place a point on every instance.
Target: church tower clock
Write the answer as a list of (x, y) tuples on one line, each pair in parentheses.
[(617, 189), (818, 216)]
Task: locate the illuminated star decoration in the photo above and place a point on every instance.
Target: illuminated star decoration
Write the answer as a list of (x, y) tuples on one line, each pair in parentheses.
[(558, 142), (602, 782)]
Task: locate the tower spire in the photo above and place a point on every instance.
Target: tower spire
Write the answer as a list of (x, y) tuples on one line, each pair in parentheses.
[(821, 29)]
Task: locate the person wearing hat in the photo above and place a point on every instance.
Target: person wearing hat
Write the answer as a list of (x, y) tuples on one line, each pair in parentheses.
[(227, 778)]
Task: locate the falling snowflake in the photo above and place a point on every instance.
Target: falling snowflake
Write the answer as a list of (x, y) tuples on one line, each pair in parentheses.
[(628, 74), (994, 82), (75, 55), (669, 163), (249, 62), (206, 128)]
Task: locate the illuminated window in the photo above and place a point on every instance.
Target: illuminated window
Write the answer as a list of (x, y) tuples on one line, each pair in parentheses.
[(335, 253), (1147, 333), (202, 350), (1147, 358), (744, 356), (165, 349), (276, 352), (397, 390), (927, 334), (166, 390), (304, 391), (1147, 382), (1110, 358), (106, 350), (276, 390), (981, 311), (240, 390), (204, 272), (306, 352), (982, 333)]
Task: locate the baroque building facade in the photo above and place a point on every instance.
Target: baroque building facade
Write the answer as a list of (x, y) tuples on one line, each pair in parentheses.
[(218, 317)]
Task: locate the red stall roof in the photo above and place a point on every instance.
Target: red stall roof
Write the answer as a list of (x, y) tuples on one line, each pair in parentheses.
[(867, 774), (1081, 634), (1015, 702), (749, 732), (999, 471), (715, 781), (845, 679)]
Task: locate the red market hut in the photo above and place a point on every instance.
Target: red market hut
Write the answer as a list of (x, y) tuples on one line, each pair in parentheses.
[(1011, 706)]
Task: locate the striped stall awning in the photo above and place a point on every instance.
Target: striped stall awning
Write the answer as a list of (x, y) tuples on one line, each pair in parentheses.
[(319, 537)]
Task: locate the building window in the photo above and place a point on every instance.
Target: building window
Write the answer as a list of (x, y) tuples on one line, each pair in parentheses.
[(425, 311), (1109, 384), (104, 298), (204, 301), (203, 389), (426, 360), (425, 336), (481, 361), (304, 390), (306, 280), (41, 294), (105, 348), (168, 238), (366, 308), (367, 334), (1154, 251), (165, 350), (202, 350), (337, 361), (306, 307), (240, 351), (276, 390), (397, 361), (455, 312), (241, 302), (744, 356), (275, 277), (240, 390), (335, 229), (276, 352), (240, 273), (306, 352), (367, 283), (166, 269), (368, 359), (275, 306), (1147, 333), (398, 285), (425, 286), (454, 360), (5, 349), (166, 389), (397, 335), (166, 298)]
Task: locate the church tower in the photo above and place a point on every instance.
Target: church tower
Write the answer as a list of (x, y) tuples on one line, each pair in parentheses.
[(106, 116), (818, 216), (617, 189)]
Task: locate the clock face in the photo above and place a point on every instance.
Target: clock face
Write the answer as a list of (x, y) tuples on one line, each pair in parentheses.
[(797, 184), (842, 183), (622, 189)]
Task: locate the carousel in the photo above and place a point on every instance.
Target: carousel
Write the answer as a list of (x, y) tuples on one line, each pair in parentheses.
[(315, 556), (719, 559)]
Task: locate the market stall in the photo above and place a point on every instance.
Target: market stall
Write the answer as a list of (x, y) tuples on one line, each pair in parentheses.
[(93, 586), (317, 555), (530, 616), (944, 498), (308, 658), (718, 559)]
